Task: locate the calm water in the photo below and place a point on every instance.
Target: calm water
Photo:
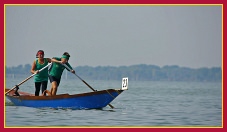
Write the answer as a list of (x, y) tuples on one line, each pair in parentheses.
[(145, 104)]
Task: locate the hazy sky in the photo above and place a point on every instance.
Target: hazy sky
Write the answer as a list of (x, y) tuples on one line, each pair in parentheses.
[(189, 36)]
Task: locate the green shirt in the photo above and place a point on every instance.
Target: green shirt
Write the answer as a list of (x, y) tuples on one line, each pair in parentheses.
[(43, 75), (57, 69)]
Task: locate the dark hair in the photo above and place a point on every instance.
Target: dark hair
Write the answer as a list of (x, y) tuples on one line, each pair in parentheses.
[(38, 52), (66, 53)]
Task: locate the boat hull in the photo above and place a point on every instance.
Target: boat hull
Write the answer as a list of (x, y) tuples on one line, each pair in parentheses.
[(91, 100)]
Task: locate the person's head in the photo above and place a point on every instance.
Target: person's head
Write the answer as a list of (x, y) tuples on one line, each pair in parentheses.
[(40, 54), (65, 57)]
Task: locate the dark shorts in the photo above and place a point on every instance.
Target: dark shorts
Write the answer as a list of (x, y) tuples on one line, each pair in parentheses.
[(52, 79)]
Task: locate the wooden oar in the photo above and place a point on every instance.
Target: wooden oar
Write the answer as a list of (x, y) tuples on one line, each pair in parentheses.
[(84, 82), (27, 79)]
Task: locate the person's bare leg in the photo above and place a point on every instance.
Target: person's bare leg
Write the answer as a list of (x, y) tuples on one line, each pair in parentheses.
[(54, 88), (51, 88), (46, 92)]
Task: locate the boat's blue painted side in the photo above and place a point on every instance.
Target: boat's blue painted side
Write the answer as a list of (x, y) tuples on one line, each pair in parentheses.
[(92, 100)]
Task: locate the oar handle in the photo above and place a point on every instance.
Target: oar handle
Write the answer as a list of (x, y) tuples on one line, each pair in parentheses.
[(85, 82), (80, 78), (27, 78), (44, 67)]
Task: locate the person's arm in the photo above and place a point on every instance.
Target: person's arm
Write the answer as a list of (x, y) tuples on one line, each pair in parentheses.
[(55, 60), (73, 71), (33, 71)]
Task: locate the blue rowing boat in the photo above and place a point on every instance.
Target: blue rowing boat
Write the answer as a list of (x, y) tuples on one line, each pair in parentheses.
[(90, 100)]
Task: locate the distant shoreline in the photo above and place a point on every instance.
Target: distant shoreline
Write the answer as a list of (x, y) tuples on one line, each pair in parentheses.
[(139, 72)]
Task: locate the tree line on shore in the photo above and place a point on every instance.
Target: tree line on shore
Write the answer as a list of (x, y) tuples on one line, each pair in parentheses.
[(141, 72)]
